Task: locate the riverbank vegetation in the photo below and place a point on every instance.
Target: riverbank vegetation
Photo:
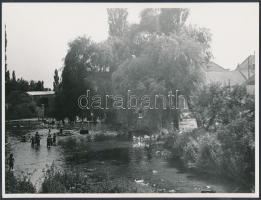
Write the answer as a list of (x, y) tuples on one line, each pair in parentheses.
[(225, 142), (79, 181), (18, 185)]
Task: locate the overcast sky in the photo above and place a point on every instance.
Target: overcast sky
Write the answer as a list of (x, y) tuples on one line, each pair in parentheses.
[(38, 33)]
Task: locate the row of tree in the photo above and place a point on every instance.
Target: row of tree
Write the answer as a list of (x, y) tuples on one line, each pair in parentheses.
[(13, 84), (18, 103)]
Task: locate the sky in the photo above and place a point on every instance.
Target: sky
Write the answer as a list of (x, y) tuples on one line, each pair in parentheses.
[(38, 33)]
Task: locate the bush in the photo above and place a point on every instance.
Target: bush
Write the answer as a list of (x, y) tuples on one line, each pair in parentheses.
[(199, 148), (76, 181), (190, 151), (225, 145), (209, 153), (238, 140), (14, 185)]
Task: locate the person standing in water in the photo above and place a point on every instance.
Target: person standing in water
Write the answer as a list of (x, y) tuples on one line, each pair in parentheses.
[(32, 140), (11, 162), (49, 139), (37, 139), (54, 138), (61, 131)]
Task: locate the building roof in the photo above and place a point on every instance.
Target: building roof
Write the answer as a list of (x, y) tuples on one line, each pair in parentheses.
[(226, 77), (40, 93), (249, 62), (211, 66), (247, 67), (216, 73)]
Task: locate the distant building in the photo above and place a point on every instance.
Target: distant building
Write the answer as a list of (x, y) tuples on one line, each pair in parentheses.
[(247, 70), (44, 101), (41, 94), (247, 67), (244, 74), (217, 74)]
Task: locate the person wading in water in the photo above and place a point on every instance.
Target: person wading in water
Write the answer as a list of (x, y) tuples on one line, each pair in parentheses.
[(54, 138), (37, 139), (49, 139), (32, 140), (11, 162)]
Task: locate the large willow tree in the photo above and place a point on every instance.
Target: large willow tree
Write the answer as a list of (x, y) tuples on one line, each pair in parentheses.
[(169, 56), (159, 54)]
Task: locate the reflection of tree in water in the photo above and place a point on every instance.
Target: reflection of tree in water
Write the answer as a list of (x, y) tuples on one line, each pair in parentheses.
[(138, 155), (118, 154)]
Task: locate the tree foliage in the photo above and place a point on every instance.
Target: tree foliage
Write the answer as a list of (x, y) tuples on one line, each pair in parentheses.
[(56, 80), (83, 62), (159, 54), (217, 105), (18, 103), (168, 57), (20, 106), (117, 20), (172, 19)]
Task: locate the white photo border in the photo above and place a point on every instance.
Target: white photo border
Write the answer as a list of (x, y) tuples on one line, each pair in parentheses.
[(137, 195)]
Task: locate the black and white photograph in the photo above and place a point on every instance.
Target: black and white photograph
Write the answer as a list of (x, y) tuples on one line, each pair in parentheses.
[(130, 100)]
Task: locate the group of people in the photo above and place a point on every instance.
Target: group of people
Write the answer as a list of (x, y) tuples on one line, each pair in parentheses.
[(35, 140)]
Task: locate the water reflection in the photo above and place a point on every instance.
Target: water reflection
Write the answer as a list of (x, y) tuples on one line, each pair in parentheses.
[(139, 160)]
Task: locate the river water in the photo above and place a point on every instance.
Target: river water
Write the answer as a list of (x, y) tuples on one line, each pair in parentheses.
[(149, 167)]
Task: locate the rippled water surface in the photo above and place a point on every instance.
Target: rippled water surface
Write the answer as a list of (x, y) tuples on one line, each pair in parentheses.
[(147, 166)]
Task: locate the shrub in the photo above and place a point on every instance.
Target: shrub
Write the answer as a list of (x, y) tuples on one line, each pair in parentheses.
[(190, 151), (14, 185), (76, 181), (225, 145), (209, 153), (238, 139)]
